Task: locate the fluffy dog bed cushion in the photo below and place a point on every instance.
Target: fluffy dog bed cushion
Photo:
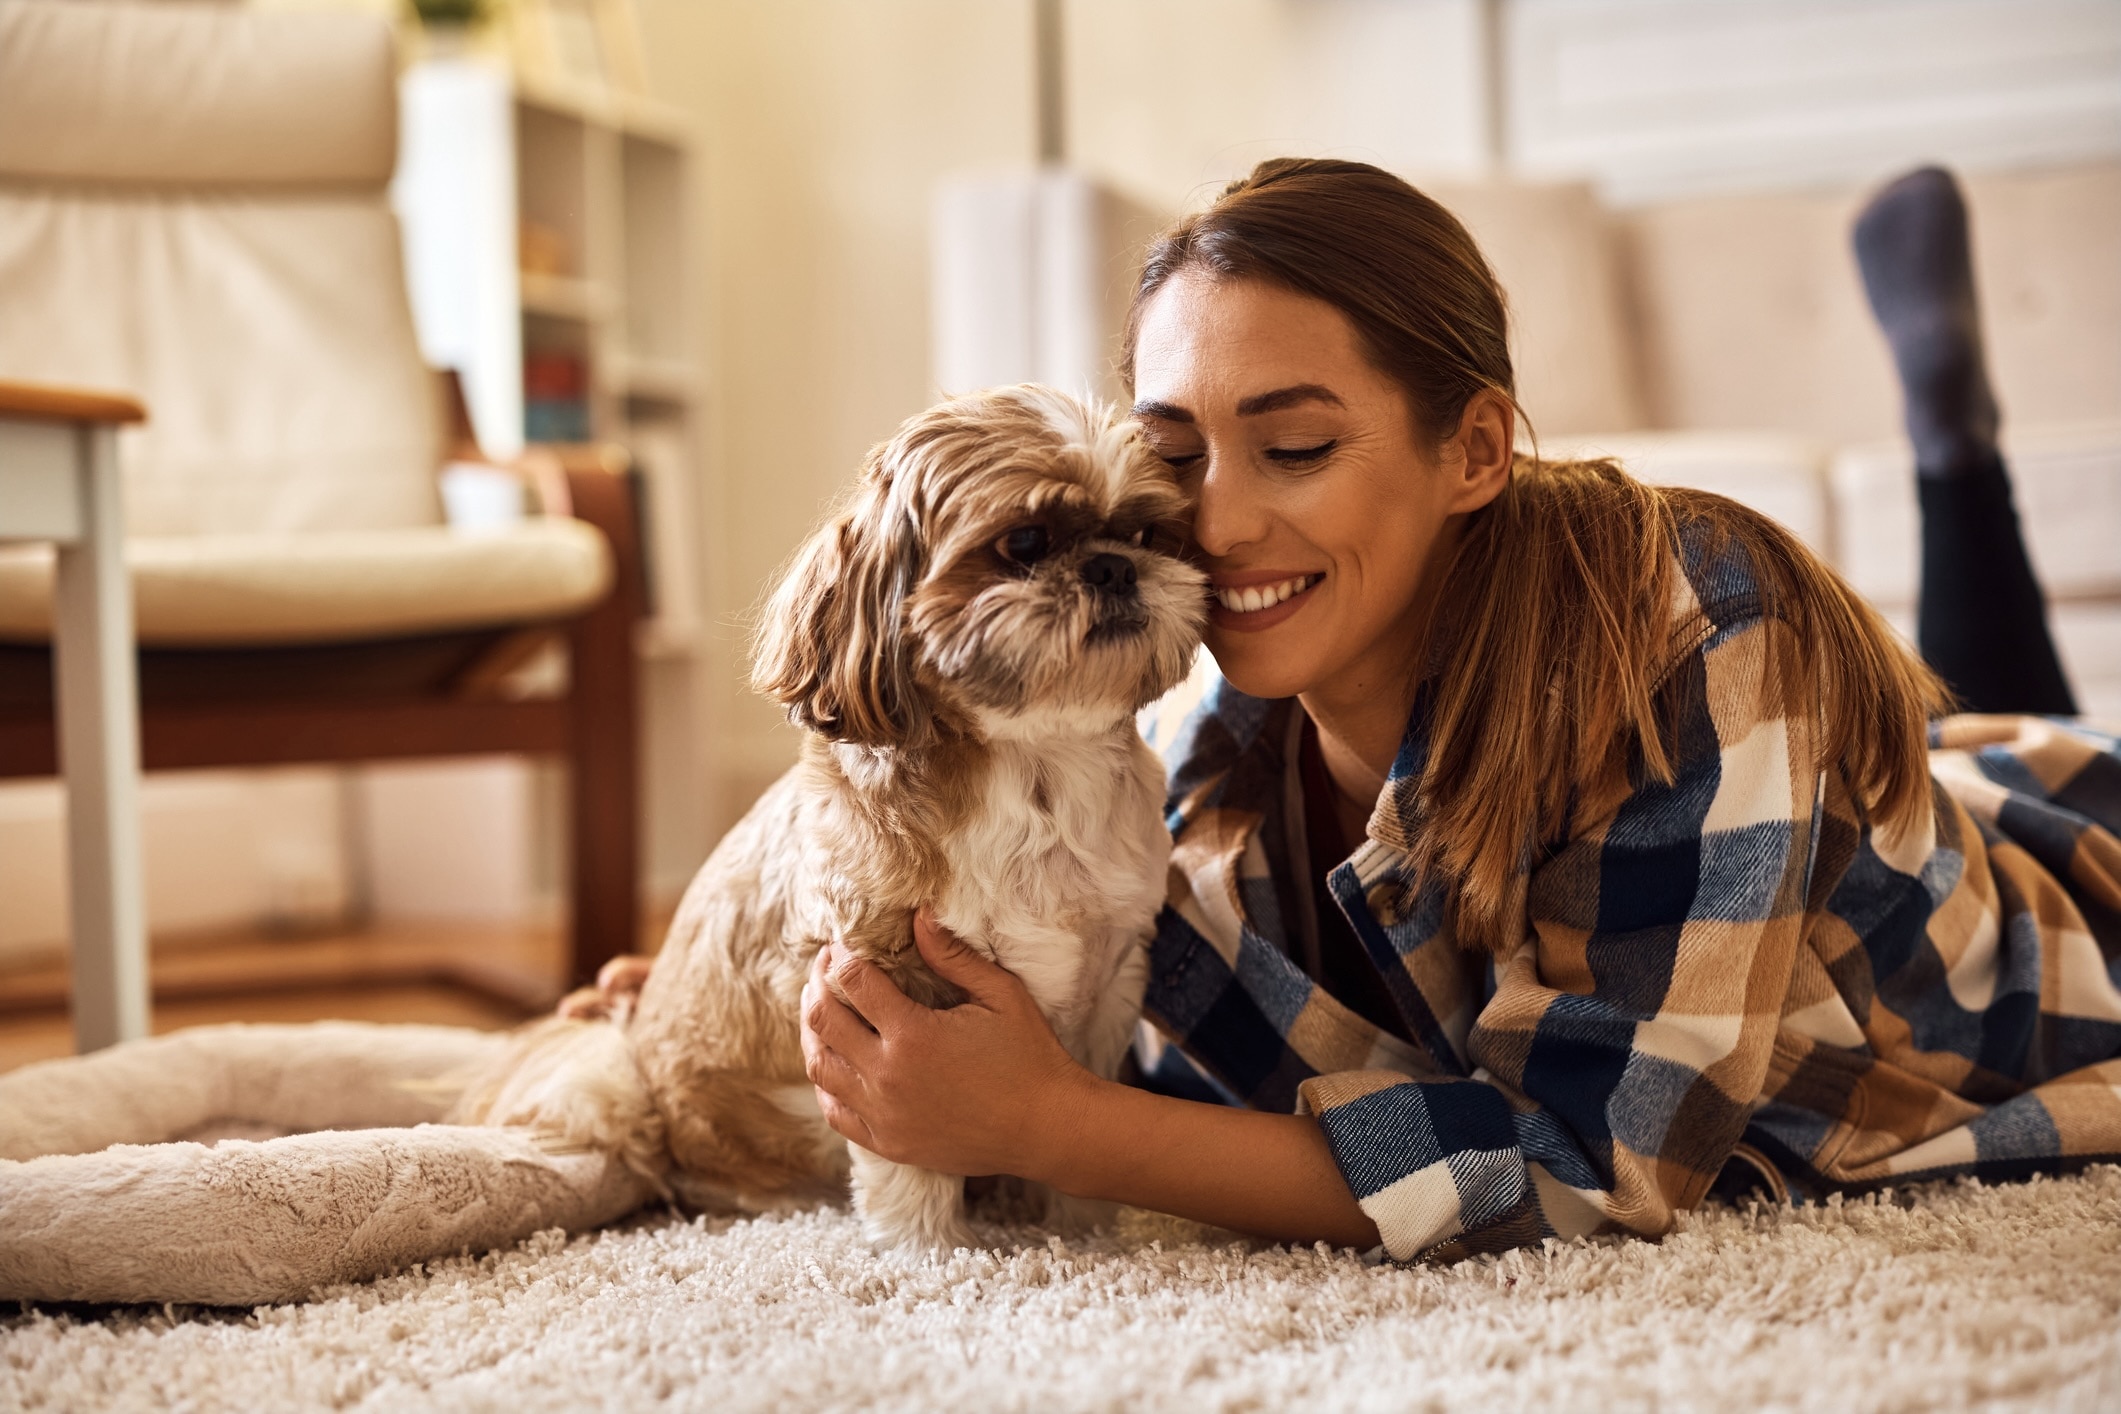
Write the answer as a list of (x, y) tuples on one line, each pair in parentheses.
[(96, 1204), (2001, 1298), (242, 1220)]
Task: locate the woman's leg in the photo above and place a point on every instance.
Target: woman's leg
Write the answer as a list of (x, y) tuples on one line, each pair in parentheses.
[(1982, 621)]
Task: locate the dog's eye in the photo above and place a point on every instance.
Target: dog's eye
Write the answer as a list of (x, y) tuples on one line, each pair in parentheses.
[(1025, 545), (1147, 538)]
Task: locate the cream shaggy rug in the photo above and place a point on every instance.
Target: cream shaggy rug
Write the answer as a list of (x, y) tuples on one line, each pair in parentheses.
[(1942, 1298)]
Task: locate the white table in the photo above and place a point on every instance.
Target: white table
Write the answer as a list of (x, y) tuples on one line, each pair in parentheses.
[(59, 482)]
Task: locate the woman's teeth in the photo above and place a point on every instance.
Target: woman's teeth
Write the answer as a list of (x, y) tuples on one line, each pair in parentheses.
[(1264, 596)]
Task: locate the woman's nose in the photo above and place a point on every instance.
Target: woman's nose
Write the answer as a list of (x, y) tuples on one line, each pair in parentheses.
[(1225, 515)]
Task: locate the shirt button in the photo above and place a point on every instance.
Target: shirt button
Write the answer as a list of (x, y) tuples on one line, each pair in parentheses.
[(1383, 900)]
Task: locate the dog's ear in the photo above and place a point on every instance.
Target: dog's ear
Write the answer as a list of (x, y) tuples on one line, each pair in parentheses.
[(832, 644)]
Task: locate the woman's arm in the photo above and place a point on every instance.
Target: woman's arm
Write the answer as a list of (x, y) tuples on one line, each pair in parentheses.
[(1267, 1174), (987, 1088)]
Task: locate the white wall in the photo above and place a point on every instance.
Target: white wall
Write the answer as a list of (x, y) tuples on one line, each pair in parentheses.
[(457, 838), (223, 850), (1169, 99), (1660, 98)]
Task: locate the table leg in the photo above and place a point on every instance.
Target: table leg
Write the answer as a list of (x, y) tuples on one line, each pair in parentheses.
[(99, 753)]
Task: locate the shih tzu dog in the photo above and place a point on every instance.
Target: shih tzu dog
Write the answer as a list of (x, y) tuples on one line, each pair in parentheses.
[(966, 642)]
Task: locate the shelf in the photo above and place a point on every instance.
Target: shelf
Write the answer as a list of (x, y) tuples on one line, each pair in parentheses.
[(603, 184), (644, 118), (669, 380), (562, 297)]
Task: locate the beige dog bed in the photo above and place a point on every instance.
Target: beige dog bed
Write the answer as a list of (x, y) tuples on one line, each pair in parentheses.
[(322, 1164)]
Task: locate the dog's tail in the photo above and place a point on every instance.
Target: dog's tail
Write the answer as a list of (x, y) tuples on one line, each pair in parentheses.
[(574, 1085)]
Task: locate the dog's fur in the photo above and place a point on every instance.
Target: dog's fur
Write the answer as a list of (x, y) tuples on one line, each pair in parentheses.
[(971, 750)]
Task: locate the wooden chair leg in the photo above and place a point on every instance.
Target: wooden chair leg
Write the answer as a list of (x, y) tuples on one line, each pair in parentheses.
[(604, 752)]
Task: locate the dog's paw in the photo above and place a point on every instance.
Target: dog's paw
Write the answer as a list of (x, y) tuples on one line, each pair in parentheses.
[(934, 1239), (909, 1209), (618, 987)]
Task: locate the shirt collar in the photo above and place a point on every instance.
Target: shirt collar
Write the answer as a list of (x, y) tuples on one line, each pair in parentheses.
[(1396, 821)]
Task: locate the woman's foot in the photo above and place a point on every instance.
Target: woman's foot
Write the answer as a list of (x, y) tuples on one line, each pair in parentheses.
[(1912, 247)]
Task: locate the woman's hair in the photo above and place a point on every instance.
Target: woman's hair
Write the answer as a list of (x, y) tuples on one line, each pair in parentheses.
[(1555, 640)]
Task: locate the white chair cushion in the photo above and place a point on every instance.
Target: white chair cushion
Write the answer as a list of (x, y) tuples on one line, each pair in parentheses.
[(193, 210), (269, 337), (245, 590), (1775, 473), (185, 95)]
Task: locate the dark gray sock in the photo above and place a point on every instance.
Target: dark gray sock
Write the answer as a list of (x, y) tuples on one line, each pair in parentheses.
[(1912, 247)]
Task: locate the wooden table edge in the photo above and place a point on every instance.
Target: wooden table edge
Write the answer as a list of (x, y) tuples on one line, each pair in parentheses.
[(47, 403)]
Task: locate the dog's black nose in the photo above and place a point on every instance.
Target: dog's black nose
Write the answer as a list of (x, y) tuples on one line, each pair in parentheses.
[(1109, 573)]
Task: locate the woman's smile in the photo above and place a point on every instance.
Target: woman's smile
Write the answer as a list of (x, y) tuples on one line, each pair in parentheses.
[(1258, 600)]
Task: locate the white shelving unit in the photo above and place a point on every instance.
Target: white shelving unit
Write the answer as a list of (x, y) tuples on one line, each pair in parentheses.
[(543, 218)]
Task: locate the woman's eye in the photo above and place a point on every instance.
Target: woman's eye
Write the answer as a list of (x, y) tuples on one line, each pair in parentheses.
[(1301, 456), (1179, 461), (1025, 545)]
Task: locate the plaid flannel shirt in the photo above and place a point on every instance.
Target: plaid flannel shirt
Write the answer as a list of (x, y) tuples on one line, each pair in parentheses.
[(1736, 965)]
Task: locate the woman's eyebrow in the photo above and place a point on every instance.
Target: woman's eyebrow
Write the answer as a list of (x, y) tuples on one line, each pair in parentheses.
[(1288, 398)]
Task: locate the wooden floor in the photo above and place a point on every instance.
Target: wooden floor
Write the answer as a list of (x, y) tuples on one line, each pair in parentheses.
[(457, 974)]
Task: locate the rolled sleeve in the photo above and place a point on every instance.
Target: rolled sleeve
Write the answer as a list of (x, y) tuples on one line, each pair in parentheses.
[(1432, 1163)]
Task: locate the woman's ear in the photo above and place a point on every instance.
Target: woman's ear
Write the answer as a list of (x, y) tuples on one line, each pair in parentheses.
[(831, 645), (1478, 457)]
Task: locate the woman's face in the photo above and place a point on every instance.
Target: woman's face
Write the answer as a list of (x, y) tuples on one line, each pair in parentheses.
[(1318, 504)]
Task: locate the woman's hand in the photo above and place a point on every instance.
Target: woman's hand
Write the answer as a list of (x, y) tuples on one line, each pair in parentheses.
[(984, 1087)]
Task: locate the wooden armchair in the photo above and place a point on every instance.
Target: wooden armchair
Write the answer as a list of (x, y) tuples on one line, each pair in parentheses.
[(198, 196)]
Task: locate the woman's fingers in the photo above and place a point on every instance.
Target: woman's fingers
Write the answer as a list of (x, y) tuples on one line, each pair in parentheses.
[(844, 1121), (831, 1077), (830, 1074), (874, 995), (956, 963), (830, 1022)]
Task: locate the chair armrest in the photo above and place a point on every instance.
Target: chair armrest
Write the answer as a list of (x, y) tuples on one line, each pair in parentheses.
[(45, 403)]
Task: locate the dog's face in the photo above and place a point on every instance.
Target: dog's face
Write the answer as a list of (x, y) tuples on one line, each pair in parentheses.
[(997, 572)]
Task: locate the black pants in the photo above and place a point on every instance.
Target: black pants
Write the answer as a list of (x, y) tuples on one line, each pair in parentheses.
[(1982, 624)]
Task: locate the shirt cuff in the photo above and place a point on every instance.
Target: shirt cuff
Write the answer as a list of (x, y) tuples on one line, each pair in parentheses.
[(1435, 1164)]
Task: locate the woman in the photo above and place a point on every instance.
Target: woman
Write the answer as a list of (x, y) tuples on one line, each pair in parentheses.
[(1558, 845)]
